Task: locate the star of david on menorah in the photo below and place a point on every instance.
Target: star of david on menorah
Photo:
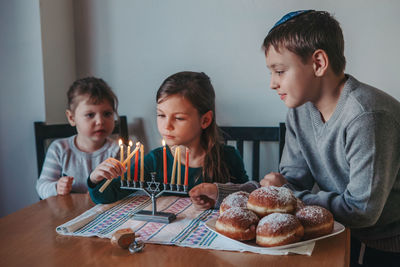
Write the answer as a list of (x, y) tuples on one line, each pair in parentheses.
[(153, 191)]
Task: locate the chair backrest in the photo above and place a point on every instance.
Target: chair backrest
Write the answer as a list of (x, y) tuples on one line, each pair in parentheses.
[(44, 133), (255, 135)]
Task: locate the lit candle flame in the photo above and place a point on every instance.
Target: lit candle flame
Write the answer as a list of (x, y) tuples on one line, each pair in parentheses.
[(130, 143), (120, 142), (137, 144), (163, 142)]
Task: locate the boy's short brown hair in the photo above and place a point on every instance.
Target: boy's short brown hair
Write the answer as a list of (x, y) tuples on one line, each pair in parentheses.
[(307, 32)]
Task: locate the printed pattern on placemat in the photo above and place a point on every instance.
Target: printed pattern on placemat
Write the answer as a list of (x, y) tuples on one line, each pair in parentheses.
[(111, 219), (196, 234), (151, 229)]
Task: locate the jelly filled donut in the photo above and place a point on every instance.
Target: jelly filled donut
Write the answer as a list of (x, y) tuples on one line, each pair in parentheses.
[(237, 199), (317, 221), (270, 199), (237, 223), (279, 229)]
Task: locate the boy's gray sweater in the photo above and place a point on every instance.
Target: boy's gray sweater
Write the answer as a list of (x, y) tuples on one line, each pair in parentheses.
[(354, 158)]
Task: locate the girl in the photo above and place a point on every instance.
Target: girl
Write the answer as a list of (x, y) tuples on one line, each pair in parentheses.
[(92, 108), (185, 117)]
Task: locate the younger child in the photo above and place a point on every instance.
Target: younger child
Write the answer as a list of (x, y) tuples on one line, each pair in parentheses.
[(341, 134), (92, 107), (185, 117)]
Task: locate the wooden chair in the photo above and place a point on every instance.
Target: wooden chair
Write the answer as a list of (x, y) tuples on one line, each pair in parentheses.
[(255, 135), (45, 133)]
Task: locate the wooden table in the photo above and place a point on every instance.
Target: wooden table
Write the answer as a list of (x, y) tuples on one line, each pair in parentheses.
[(28, 238)]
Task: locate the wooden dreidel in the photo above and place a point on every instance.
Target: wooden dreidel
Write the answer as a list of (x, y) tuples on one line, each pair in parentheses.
[(123, 238)]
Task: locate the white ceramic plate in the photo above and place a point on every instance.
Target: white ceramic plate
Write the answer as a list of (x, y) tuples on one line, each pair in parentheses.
[(337, 229)]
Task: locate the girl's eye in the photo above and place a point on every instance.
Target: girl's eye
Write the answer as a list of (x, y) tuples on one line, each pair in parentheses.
[(180, 119), (161, 115), (90, 115), (279, 72), (108, 114)]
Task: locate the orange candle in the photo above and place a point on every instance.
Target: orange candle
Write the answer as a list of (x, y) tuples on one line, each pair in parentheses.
[(179, 167), (135, 175), (187, 167), (165, 161), (129, 162), (121, 154)]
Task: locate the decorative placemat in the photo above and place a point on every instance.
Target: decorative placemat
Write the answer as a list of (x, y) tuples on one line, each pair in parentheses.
[(187, 230)]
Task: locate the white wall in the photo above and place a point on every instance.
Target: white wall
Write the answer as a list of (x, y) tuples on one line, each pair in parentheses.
[(21, 102), (134, 45), (58, 43)]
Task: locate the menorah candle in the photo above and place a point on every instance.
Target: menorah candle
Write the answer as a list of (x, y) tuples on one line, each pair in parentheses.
[(129, 162), (121, 155), (179, 167), (174, 167), (135, 175), (131, 154), (165, 161), (104, 186), (141, 163), (187, 167)]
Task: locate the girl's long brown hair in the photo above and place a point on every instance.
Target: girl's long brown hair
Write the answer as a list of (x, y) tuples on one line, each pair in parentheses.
[(196, 87)]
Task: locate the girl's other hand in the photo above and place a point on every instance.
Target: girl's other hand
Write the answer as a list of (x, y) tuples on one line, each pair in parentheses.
[(204, 196), (108, 169), (64, 185), (273, 178)]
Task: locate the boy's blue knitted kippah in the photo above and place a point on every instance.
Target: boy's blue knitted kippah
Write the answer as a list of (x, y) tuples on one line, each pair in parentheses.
[(290, 16)]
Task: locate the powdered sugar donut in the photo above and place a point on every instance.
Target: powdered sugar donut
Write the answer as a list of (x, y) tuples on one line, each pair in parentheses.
[(317, 221), (278, 229), (237, 223), (237, 199), (270, 199)]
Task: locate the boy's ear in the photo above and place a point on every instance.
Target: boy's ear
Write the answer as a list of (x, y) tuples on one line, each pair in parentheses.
[(320, 62), (206, 119), (70, 117)]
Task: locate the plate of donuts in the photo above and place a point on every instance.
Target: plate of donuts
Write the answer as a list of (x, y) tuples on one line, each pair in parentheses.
[(272, 218), (251, 244)]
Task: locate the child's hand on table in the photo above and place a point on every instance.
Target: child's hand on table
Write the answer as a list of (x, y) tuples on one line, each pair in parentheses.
[(64, 185), (108, 169), (203, 196), (273, 178)]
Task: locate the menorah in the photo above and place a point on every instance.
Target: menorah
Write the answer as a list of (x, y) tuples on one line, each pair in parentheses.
[(153, 191)]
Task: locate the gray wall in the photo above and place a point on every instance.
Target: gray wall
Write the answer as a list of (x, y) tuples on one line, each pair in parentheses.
[(21, 102), (134, 45)]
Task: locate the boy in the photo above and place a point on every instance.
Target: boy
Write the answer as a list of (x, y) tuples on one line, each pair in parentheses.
[(341, 134)]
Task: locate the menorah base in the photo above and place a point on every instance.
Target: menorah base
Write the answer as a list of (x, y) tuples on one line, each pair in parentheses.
[(161, 217)]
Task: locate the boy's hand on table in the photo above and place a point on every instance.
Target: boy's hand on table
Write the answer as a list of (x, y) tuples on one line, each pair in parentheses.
[(204, 196), (64, 185), (273, 178), (108, 169)]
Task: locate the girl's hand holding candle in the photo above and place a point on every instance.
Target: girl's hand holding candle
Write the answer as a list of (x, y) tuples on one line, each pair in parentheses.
[(104, 186)]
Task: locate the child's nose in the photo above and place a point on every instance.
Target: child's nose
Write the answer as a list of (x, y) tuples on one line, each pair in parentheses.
[(99, 119), (273, 84), (168, 124)]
